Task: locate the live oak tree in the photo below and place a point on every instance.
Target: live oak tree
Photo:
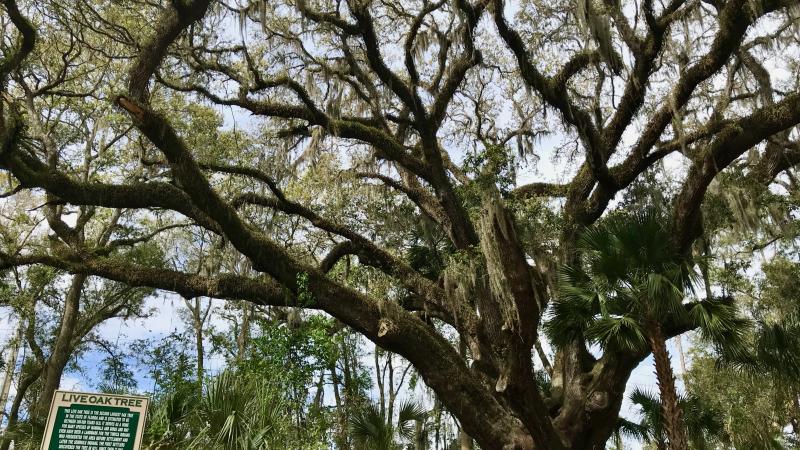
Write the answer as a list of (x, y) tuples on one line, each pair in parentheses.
[(393, 97)]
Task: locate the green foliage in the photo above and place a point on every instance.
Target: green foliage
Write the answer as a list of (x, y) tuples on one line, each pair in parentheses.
[(622, 332), (779, 289), (372, 429), (703, 424), (169, 419), (543, 382), (27, 435), (538, 226), (492, 169), (169, 362), (627, 274), (117, 376), (304, 295), (754, 408), (236, 411), (293, 355), (427, 260), (755, 383)]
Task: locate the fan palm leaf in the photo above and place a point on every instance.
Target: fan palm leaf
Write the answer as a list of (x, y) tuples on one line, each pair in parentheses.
[(410, 412), (621, 333), (236, 413), (704, 426), (373, 430)]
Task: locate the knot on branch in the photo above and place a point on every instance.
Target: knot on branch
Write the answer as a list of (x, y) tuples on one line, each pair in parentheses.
[(386, 327), (131, 106)]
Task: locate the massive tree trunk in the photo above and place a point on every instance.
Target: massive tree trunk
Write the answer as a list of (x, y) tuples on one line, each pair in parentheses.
[(673, 416)]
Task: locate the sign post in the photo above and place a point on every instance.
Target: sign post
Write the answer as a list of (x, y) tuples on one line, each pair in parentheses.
[(82, 421)]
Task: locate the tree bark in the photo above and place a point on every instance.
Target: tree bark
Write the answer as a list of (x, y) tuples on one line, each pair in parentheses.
[(243, 339), (198, 333), (25, 382), (62, 349), (503, 409), (464, 440), (420, 442), (391, 392), (673, 417), (199, 317), (379, 380), (543, 357), (11, 365), (342, 440)]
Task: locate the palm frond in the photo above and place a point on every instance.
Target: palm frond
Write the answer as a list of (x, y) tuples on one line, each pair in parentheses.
[(370, 428), (719, 322), (409, 412), (631, 430), (569, 318), (619, 333), (704, 426)]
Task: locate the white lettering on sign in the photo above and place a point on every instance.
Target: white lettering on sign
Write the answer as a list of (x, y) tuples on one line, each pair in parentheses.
[(95, 421)]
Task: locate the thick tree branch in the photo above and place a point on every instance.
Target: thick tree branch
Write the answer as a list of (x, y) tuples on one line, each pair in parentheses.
[(23, 46), (175, 19), (733, 141)]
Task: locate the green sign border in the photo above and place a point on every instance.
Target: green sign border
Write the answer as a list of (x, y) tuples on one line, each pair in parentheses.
[(62, 413)]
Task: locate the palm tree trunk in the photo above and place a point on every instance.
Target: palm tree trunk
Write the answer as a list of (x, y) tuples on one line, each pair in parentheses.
[(673, 417)]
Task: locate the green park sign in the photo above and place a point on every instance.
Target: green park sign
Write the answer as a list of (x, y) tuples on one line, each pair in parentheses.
[(82, 421)]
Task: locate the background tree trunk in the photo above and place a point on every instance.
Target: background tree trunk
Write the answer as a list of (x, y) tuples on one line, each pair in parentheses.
[(62, 349), (25, 382), (199, 318), (243, 339), (11, 365)]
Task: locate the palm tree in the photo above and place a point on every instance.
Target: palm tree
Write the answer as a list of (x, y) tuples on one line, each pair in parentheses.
[(704, 427), (372, 430), (169, 424), (234, 412), (629, 282), (238, 413)]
